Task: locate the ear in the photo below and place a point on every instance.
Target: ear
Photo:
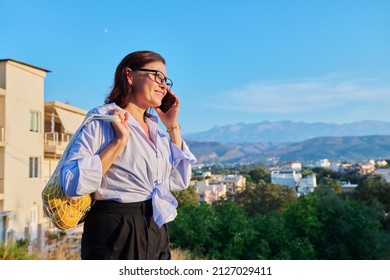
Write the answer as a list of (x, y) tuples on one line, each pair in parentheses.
[(129, 75)]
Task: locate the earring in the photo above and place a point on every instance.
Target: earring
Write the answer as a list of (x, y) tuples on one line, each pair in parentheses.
[(129, 76)]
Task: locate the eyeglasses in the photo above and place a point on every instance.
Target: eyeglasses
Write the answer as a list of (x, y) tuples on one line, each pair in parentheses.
[(159, 77)]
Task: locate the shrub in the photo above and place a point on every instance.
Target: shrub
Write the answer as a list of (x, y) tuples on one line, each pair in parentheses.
[(15, 251)]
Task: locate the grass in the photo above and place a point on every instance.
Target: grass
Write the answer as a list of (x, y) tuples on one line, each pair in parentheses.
[(15, 251), (62, 252), (68, 249)]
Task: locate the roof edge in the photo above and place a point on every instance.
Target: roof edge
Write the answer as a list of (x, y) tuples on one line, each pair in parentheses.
[(65, 106), (26, 64)]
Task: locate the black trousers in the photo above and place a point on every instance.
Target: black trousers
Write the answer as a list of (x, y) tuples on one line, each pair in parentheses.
[(123, 231)]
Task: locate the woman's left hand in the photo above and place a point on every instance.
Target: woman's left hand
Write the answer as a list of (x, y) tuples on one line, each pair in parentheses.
[(170, 120), (171, 117)]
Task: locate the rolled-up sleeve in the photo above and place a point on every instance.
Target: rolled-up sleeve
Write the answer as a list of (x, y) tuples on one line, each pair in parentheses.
[(81, 173), (182, 161), (82, 176)]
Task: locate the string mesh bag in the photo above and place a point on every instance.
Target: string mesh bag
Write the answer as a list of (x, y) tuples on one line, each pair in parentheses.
[(65, 212)]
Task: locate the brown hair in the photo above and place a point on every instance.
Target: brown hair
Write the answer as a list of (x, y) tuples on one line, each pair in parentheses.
[(121, 92)]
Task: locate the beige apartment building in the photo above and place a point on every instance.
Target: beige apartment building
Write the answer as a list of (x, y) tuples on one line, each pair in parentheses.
[(33, 135), (216, 186)]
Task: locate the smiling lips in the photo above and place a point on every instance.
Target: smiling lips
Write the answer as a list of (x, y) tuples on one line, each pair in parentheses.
[(160, 93)]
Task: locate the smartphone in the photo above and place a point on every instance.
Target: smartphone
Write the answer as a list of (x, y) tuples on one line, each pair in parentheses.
[(167, 102)]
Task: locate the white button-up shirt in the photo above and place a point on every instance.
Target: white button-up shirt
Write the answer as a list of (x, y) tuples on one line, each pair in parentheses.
[(144, 170)]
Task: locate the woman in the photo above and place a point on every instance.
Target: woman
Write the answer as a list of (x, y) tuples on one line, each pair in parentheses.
[(130, 166)]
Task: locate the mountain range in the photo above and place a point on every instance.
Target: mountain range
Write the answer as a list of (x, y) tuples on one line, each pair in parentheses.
[(291, 141), (287, 131)]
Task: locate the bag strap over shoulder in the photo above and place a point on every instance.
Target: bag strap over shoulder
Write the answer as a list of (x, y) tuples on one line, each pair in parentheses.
[(111, 118)]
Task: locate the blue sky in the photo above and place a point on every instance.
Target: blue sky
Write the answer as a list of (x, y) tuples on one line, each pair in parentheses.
[(231, 62)]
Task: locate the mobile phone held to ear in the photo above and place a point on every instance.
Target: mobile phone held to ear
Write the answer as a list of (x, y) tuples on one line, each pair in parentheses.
[(167, 102)]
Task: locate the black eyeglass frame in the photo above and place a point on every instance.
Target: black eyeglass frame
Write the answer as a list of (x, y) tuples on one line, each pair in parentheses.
[(167, 81)]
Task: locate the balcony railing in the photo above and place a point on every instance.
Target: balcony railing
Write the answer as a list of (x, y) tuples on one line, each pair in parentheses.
[(56, 142)]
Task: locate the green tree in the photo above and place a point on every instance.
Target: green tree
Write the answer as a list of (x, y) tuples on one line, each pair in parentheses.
[(212, 232), (265, 197), (374, 188), (325, 173), (230, 232), (193, 229), (337, 228), (259, 175), (332, 184), (352, 176), (320, 225), (187, 196)]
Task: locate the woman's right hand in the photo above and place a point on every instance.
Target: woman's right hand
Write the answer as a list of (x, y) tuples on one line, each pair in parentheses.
[(121, 129), (122, 133)]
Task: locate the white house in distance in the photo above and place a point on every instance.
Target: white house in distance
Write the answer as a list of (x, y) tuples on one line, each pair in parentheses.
[(290, 175), (325, 163), (284, 177), (384, 173), (307, 184), (33, 135), (287, 175)]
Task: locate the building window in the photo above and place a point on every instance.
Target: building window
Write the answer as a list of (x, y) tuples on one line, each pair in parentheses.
[(34, 167), (34, 121)]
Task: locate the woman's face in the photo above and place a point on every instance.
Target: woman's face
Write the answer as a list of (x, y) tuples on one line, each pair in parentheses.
[(147, 92)]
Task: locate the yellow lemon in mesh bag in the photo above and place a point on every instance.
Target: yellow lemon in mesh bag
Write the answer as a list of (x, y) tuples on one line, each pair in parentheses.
[(83, 203), (69, 212), (51, 191), (66, 217), (54, 203), (64, 212)]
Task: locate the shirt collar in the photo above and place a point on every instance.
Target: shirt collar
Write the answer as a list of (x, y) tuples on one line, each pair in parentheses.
[(151, 120)]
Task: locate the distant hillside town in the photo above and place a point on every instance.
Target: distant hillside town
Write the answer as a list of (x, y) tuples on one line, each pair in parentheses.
[(213, 187)]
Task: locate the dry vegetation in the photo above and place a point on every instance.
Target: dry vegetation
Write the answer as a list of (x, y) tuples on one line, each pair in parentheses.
[(178, 254), (61, 252), (59, 247), (70, 250)]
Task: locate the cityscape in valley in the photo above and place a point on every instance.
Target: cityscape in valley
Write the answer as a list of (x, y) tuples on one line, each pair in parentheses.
[(316, 193), (213, 187)]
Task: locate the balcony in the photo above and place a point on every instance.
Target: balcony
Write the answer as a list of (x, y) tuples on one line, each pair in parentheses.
[(55, 142)]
